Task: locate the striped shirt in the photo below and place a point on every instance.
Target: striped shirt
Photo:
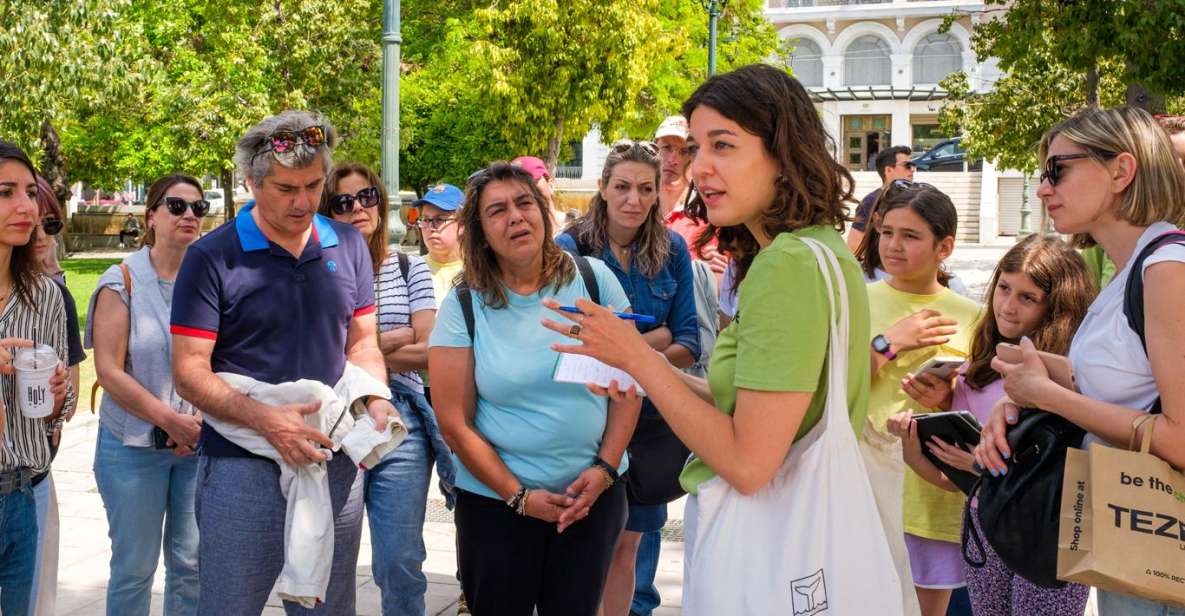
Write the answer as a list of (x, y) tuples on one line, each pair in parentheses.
[(24, 443), (398, 299)]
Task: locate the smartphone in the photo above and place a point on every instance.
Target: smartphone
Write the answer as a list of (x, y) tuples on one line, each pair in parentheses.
[(942, 367), (160, 439), (1058, 366)]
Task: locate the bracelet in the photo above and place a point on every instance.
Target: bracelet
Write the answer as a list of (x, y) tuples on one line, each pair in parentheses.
[(522, 505), (610, 472), (518, 501), (604, 473)]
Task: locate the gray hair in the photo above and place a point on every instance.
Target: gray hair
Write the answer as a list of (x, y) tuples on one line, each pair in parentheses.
[(255, 142)]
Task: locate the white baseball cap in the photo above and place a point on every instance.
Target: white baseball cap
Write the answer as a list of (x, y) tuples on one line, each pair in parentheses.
[(673, 126)]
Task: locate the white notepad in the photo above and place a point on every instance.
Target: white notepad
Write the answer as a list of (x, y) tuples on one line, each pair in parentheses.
[(583, 369)]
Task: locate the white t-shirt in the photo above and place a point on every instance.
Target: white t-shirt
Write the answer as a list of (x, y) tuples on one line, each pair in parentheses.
[(398, 300), (1109, 361)]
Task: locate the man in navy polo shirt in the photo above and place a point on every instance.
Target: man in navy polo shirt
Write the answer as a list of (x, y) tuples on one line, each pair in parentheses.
[(277, 294)]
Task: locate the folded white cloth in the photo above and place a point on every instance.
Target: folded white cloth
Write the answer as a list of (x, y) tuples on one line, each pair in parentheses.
[(308, 522)]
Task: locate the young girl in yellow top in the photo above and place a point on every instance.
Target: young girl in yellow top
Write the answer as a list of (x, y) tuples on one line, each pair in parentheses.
[(915, 318)]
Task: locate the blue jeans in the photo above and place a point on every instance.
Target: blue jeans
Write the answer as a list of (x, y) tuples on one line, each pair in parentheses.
[(396, 499), (18, 550), (646, 597), (240, 513), (144, 489), (1116, 604)]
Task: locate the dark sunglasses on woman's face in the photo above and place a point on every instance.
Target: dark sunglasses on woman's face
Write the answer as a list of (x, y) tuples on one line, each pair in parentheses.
[(52, 226), (1054, 166), (344, 203), (177, 206)]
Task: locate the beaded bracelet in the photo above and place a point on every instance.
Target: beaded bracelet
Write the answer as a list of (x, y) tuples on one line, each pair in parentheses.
[(518, 501)]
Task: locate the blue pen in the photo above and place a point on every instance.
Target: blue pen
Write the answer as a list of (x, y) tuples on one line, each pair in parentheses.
[(629, 316)]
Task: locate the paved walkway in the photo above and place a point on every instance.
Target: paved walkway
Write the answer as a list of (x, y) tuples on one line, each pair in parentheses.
[(85, 548)]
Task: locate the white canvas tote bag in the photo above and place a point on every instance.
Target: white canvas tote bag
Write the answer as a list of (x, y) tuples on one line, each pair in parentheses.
[(811, 541)]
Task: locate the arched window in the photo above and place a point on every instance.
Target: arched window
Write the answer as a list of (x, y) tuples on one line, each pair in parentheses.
[(807, 62), (866, 62), (936, 57)]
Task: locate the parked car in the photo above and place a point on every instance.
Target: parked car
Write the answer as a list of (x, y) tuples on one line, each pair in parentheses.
[(948, 155), (215, 197)]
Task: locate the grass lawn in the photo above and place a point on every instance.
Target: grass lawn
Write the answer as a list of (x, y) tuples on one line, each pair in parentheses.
[(81, 277)]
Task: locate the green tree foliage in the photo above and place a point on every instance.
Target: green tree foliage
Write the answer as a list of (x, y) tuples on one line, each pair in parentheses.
[(1058, 57)]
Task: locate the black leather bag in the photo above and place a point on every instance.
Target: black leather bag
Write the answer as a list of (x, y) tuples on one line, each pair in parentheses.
[(657, 457), (1019, 511)]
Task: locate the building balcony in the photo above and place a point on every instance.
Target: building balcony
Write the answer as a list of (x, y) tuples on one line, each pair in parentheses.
[(783, 11)]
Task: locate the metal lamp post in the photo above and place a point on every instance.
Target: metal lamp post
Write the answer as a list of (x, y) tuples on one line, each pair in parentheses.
[(714, 8), (390, 136)]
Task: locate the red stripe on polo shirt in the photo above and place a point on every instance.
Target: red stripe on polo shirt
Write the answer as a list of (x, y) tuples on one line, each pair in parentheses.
[(365, 310), (193, 332)]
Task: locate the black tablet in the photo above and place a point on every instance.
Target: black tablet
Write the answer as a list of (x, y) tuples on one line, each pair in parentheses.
[(959, 428)]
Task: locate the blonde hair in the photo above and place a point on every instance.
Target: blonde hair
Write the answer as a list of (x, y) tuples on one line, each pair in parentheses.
[(1158, 189)]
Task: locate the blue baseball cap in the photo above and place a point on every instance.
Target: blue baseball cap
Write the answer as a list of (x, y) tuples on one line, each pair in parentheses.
[(444, 196)]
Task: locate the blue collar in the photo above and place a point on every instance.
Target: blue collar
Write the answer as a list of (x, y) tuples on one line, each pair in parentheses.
[(251, 238)]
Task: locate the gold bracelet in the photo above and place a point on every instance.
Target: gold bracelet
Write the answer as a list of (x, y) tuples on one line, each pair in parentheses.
[(608, 478)]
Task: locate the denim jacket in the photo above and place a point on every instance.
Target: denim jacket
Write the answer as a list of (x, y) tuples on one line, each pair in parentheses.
[(668, 296)]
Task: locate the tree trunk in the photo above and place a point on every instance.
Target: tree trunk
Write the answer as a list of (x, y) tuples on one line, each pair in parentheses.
[(228, 193), (53, 169), (551, 158), (1140, 96), (1092, 86)]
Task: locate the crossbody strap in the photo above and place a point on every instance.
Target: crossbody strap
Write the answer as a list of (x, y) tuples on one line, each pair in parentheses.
[(465, 295)]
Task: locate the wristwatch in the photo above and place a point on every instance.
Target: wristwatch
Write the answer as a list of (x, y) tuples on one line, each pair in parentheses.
[(880, 344)]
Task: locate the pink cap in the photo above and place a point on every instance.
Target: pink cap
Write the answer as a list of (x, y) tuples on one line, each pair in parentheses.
[(532, 165)]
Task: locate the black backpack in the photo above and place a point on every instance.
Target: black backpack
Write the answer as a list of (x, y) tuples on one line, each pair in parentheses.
[(1133, 294), (464, 295), (1019, 511)]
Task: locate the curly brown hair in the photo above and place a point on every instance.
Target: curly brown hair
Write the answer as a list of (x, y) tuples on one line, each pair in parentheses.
[(482, 272), (1061, 274), (812, 189)]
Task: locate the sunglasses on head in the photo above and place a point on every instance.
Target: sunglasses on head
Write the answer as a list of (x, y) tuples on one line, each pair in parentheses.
[(52, 226), (1053, 165), (911, 185), (344, 203), (626, 145), (285, 145), (177, 206)]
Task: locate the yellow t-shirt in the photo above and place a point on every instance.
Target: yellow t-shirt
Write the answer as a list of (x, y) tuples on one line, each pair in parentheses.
[(930, 512), (443, 276)]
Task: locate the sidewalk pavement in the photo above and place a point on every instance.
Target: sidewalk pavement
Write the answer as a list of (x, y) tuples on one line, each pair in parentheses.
[(86, 550)]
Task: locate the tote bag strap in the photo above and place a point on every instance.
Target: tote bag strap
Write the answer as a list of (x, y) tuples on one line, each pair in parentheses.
[(835, 411)]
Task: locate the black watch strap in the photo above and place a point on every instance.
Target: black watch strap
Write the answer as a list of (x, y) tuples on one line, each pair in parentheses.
[(608, 468)]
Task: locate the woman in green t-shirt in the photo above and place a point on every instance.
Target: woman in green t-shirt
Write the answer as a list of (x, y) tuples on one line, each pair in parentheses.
[(765, 179)]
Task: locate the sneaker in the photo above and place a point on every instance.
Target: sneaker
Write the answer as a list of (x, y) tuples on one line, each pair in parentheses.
[(462, 607)]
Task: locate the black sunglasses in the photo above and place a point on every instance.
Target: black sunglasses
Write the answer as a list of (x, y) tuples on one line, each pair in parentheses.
[(910, 185), (1053, 166), (344, 203), (177, 206), (52, 226)]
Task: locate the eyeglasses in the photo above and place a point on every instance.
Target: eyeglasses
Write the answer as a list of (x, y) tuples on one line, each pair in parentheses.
[(344, 203), (434, 222), (1053, 166), (908, 164), (285, 145), (177, 206), (52, 226)]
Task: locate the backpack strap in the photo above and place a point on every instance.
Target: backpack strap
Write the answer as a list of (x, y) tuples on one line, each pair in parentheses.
[(590, 279), (404, 265), (466, 298), (1133, 294)]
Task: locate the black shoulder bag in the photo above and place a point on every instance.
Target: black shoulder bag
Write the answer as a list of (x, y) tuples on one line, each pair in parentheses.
[(1133, 293)]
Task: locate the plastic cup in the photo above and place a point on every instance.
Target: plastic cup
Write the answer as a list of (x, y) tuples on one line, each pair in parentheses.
[(34, 367)]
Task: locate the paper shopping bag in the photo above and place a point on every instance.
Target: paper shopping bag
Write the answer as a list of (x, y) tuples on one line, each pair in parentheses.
[(1123, 522)]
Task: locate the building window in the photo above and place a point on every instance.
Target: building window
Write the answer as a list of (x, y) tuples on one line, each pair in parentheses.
[(807, 62), (866, 62), (936, 57), (926, 134)]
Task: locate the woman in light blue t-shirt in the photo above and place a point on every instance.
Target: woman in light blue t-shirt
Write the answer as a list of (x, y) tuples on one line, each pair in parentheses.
[(539, 508)]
